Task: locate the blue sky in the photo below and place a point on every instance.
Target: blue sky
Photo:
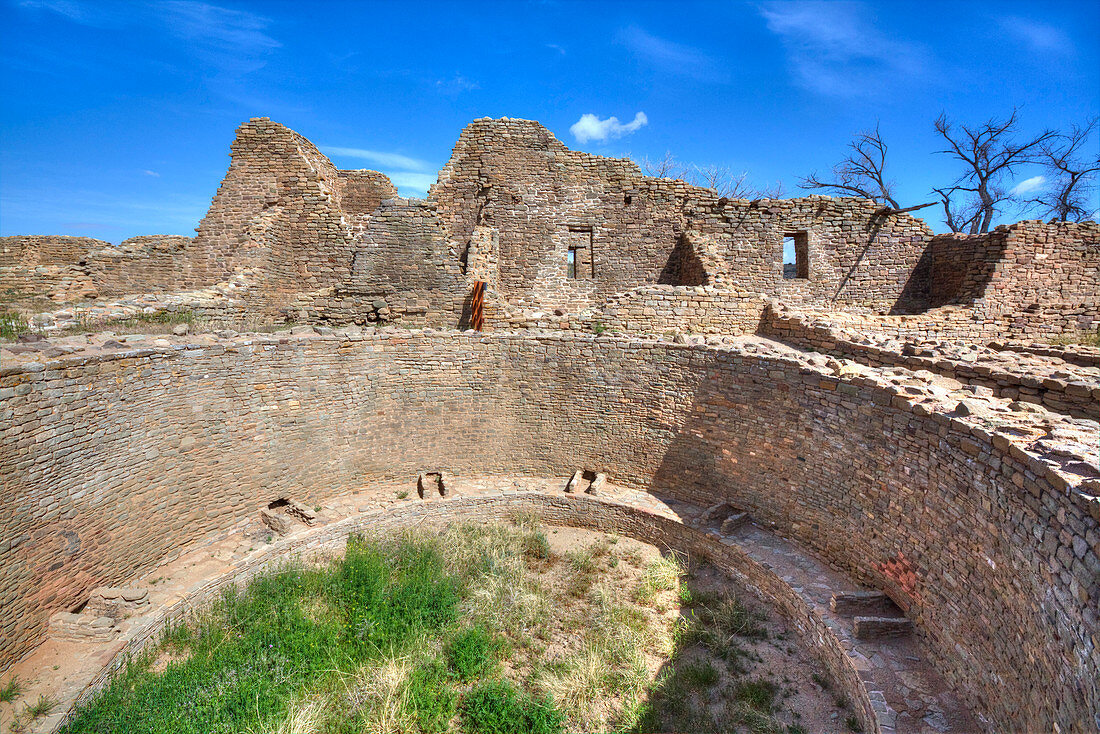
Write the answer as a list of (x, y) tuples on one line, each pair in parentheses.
[(117, 116)]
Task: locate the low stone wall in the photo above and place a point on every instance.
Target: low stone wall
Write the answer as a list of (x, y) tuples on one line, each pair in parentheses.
[(146, 264), (34, 250), (1056, 384), (115, 463)]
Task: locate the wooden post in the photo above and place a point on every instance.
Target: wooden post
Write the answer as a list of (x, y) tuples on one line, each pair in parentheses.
[(477, 309)]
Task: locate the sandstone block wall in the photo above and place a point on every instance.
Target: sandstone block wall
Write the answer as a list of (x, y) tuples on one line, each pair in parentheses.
[(33, 268), (1052, 382), (113, 464), (632, 230), (145, 264), (1035, 278), (33, 250), (363, 191)]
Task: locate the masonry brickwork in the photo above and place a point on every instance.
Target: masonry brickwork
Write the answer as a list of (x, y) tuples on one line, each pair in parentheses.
[(120, 461), (642, 327)]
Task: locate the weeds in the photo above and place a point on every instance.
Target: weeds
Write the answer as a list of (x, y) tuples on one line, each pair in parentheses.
[(12, 325), (496, 707), (471, 653), (42, 707), (11, 690)]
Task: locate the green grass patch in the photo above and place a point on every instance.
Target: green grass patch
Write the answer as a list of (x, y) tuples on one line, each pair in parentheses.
[(701, 674), (472, 653), (496, 707), (758, 694), (287, 633)]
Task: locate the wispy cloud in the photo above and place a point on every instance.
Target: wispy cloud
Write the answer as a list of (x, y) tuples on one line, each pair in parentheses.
[(1040, 37), (670, 57), (412, 176), (591, 127), (456, 85), (556, 47), (77, 12), (154, 174), (225, 37), (230, 42), (834, 50), (382, 158), (1028, 185), (417, 183)]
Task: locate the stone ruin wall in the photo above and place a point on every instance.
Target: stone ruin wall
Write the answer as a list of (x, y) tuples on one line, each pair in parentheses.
[(629, 230), (121, 461), (36, 267), (323, 245), (1026, 278), (145, 264)]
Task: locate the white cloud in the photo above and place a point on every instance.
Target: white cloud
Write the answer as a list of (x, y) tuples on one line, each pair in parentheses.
[(154, 174), (1040, 37), (591, 127), (833, 50), (1028, 185), (382, 158), (556, 47)]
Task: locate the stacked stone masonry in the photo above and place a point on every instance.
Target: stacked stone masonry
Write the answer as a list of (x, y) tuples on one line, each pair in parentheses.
[(883, 402), (120, 461)]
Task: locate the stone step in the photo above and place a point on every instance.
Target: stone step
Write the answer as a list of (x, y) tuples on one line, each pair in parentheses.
[(876, 628), (866, 603), (733, 522)]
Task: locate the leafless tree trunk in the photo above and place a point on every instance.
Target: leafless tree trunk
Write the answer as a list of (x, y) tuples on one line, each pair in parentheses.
[(959, 217), (989, 153), (861, 172), (1072, 174)]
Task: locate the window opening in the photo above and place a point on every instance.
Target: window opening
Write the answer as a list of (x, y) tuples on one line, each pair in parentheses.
[(796, 256), (579, 262)]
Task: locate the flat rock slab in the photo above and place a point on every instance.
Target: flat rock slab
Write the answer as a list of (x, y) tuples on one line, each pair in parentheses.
[(875, 628), (863, 604)]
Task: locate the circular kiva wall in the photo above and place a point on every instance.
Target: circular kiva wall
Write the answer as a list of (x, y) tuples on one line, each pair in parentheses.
[(110, 465)]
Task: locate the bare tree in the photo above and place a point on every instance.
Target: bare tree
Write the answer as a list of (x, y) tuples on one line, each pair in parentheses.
[(721, 179), (1072, 174), (665, 167), (960, 217), (989, 153), (772, 191), (724, 182), (861, 172)]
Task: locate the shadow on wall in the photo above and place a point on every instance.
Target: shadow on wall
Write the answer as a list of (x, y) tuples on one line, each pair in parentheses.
[(864, 484), (874, 226), (683, 266), (915, 296), (963, 265)]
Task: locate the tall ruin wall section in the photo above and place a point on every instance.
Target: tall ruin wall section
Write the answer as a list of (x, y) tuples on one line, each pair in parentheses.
[(629, 230), (114, 463)]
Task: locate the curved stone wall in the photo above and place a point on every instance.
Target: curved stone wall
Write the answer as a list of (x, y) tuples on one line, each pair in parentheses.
[(111, 464)]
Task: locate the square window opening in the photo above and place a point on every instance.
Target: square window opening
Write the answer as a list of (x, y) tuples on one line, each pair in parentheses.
[(796, 256)]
